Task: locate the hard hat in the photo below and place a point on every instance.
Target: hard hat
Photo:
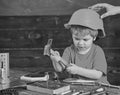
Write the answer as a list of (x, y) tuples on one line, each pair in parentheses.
[(88, 18)]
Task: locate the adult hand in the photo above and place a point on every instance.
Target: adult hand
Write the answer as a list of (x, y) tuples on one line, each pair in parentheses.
[(111, 10)]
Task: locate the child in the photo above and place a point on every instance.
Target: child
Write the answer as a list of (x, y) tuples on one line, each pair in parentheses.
[(83, 59)]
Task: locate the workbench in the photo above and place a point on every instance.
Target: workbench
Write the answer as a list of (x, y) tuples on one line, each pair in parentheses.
[(16, 82)]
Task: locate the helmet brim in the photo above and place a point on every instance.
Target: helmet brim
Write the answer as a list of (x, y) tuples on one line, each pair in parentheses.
[(101, 33), (67, 26)]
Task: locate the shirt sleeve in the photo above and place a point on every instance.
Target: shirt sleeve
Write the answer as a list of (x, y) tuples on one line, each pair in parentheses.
[(100, 61)]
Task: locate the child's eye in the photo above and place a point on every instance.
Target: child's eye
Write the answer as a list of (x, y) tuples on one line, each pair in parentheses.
[(85, 39), (76, 39)]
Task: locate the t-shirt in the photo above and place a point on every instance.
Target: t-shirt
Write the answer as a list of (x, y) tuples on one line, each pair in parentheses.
[(94, 59)]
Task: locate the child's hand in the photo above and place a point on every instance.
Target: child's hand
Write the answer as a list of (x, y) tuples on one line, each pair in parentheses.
[(72, 68), (55, 55), (111, 10)]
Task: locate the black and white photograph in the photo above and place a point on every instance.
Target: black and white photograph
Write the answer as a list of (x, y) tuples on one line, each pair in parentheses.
[(59, 47)]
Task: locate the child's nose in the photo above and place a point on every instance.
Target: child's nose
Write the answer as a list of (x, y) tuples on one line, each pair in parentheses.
[(80, 42)]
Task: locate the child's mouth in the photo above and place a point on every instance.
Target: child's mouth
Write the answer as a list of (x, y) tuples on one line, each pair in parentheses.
[(81, 48)]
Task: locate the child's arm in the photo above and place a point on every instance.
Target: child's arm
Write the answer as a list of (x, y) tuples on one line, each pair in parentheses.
[(58, 62), (55, 57), (89, 73)]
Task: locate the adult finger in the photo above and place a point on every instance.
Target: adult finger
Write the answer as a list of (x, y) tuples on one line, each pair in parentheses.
[(97, 6), (104, 15), (108, 14)]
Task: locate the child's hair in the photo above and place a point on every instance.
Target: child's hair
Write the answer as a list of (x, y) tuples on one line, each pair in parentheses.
[(83, 31)]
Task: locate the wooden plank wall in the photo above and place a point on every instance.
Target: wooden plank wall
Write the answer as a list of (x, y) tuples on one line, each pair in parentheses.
[(46, 7), (24, 38)]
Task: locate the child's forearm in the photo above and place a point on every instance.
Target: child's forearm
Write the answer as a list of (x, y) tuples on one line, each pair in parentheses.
[(60, 65), (63, 62), (57, 66), (89, 73)]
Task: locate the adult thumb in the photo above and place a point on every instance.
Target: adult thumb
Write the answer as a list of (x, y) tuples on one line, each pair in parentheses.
[(105, 15)]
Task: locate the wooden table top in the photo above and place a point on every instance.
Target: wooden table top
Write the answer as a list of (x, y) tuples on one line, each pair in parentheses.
[(16, 82)]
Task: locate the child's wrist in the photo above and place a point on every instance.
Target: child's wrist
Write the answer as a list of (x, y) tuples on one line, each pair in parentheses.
[(59, 60)]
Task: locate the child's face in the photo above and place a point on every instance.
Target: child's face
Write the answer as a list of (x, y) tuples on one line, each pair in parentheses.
[(82, 43)]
